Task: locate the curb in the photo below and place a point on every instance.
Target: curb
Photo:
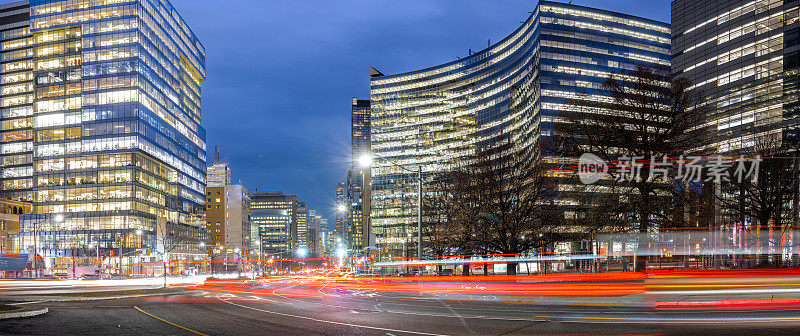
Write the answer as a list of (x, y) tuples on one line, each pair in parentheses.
[(23, 314), (81, 299)]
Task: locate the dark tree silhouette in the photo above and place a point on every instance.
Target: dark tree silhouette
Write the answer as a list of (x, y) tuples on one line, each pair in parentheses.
[(646, 114)]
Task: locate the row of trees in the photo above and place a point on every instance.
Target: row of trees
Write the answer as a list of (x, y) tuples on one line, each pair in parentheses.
[(508, 200)]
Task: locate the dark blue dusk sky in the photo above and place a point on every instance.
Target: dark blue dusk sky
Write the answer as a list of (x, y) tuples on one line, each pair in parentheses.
[(281, 73)]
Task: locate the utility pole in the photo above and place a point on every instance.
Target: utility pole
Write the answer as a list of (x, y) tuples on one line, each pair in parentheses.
[(120, 252), (419, 215), (73, 261), (35, 252)]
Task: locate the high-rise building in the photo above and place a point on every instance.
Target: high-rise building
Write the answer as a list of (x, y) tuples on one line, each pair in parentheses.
[(300, 236), (360, 129), (219, 174), (16, 101), (317, 226), (358, 178), (101, 126), (511, 93), (275, 214), (743, 56), (342, 202)]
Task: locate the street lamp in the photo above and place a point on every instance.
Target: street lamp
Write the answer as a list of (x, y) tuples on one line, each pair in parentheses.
[(367, 160), (341, 208), (302, 252), (238, 261)]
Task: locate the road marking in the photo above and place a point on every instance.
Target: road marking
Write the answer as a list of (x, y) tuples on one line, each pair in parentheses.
[(333, 322), (168, 322), (578, 319), (27, 303)]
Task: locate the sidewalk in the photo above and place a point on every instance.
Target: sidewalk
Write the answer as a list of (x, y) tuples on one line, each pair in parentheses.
[(77, 298)]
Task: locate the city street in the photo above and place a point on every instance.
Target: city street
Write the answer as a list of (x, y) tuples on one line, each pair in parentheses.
[(290, 307)]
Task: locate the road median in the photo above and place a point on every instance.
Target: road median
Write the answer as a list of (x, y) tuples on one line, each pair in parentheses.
[(12, 312)]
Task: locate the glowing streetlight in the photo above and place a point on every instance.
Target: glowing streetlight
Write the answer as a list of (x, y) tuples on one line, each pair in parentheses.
[(139, 232), (202, 244), (341, 208), (341, 253), (59, 218), (302, 252), (365, 161)]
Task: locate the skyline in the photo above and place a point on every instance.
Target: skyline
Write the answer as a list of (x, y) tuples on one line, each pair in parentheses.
[(402, 37), (328, 40)]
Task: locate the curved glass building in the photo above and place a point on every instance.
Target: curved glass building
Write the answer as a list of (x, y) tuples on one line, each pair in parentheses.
[(511, 92)]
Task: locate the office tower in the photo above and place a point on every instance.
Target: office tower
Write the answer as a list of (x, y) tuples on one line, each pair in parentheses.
[(357, 176), (742, 56), (218, 175), (301, 227), (509, 94), (16, 101), (342, 202), (275, 214), (316, 228), (107, 101)]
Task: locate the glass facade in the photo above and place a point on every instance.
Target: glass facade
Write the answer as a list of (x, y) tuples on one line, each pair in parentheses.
[(275, 214), (743, 56), (112, 141), (357, 192), (512, 93)]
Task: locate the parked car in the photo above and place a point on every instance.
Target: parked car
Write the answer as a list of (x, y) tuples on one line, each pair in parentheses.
[(90, 277), (446, 272)]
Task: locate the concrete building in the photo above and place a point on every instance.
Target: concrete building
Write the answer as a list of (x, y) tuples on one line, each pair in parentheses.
[(9, 224), (228, 217)]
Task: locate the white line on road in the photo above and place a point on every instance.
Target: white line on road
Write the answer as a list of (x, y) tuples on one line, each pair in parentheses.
[(332, 322)]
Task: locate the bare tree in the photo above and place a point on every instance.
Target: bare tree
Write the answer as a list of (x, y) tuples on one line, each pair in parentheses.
[(441, 219), (514, 199), (643, 114), (171, 238), (451, 212), (768, 196)]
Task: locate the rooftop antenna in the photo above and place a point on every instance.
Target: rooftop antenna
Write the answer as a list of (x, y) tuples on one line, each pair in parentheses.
[(216, 154), (489, 44)]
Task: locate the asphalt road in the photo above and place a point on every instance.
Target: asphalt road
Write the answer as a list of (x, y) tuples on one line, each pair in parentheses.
[(286, 309)]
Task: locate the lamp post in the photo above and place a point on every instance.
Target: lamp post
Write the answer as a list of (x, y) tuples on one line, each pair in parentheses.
[(366, 161), (202, 246), (238, 261)]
